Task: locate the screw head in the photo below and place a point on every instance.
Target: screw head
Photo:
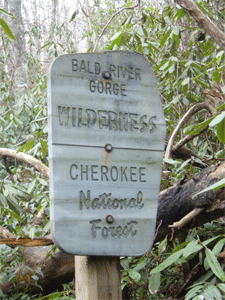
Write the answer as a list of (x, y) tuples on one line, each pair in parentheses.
[(108, 148), (106, 75), (109, 219)]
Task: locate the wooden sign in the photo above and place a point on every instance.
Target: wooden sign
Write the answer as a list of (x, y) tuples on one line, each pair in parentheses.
[(106, 144)]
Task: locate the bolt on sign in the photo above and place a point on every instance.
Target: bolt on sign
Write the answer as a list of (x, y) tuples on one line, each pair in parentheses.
[(106, 145)]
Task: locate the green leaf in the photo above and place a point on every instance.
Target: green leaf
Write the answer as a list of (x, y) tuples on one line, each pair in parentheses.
[(35, 277), (191, 248), (124, 263), (164, 66), (219, 184), (165, 37), (220, 129), (43, 181), (162, 246), (140, 265), (47, 227), (74, 15), (7, 13), (171, 161), (154, 283), (115, 36), (199, 127), (13, 205), (128, 20), (218, 247), (140, 31), (167, 262), (3, 200), (202, 83), (211, 293), (214, 265), (175, 30), (28, 146), (32, 233), (134, 275), (217, 119), (6, 28), (221, 286), (220, 107), (13, 214), (193, 292), (205, 277), (44, 145), (185, 81), (31, 186), (52, 296)]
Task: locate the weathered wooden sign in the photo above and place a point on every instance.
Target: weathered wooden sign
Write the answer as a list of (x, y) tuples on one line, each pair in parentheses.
[(106, 144)]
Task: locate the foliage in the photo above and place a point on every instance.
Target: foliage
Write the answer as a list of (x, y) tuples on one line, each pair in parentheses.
[(4, 25), (161, 273), (186, 66)]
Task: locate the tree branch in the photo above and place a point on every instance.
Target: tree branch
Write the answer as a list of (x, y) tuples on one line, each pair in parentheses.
[(10, 239), (186, 219), (187, 139), (110, 20), (28, 159), (27, 242), (193, 110), (203, 21)]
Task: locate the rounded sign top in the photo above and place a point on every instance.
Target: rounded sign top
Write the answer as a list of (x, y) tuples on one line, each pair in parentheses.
[(119, 96)]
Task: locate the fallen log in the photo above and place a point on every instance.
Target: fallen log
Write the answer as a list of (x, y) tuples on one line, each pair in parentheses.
[(174, 204), (178, 201)]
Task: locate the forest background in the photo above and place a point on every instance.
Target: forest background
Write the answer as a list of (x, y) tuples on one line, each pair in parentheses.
[(185, 44)]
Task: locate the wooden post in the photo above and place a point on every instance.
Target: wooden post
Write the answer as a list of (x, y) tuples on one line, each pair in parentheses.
[(97, 278)]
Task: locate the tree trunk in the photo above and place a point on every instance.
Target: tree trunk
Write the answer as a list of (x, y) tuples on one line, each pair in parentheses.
[(19, 50), (174, 203)]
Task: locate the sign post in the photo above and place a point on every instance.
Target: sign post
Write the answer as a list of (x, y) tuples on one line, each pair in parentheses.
[(106, 144)]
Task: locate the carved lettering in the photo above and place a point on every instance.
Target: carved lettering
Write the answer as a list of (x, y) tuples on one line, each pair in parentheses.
[(105, 173), (109, 88), (105, 201), (86, 67), (106, 120), (112, 231), (63, 113), (117, 71), (125, 72)]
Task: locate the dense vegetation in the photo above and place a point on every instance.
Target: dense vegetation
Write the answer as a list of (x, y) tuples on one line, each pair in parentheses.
[(189, 66)]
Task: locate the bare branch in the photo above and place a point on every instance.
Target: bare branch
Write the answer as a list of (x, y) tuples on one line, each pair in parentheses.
[(28, 159), (187, 139), (110, 20), (186, 219), (26, 242), (193, 110), (203, 21), (8, 238)]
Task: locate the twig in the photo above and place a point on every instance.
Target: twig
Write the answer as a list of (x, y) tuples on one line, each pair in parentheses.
[(28, 159), (6, 165), (193, 110), (157, 229), (192, 272), (186, 219), (38, 218), (82, 8), (110, 20), (187, 139), (210, 145)]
